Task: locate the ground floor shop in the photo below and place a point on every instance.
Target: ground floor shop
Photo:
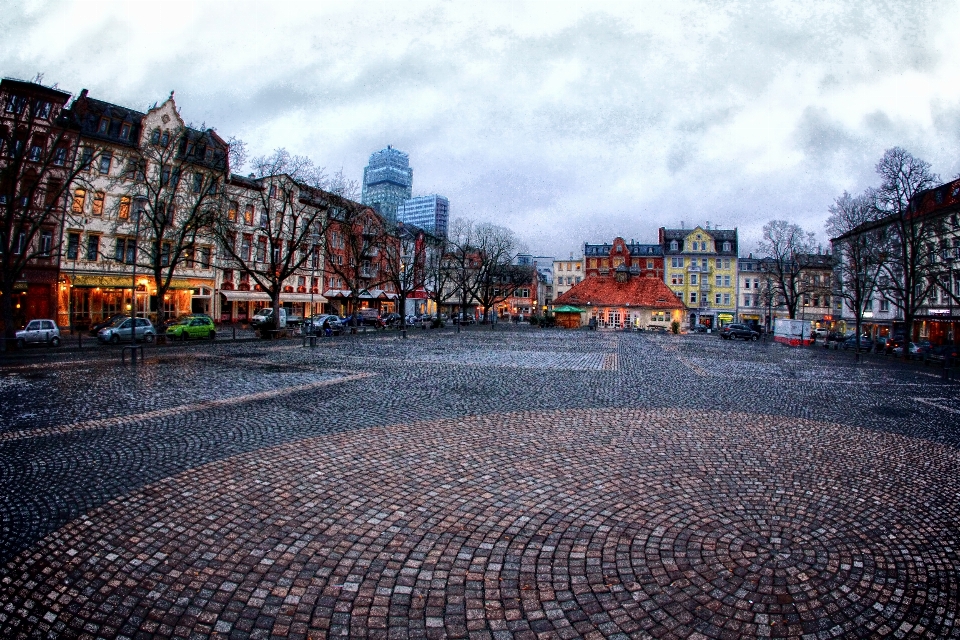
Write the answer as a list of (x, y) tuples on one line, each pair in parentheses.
[(938, 329), (240, 306), (637, 318), (86, 299)]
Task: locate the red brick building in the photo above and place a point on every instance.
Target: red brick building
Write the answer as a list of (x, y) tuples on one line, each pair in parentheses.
[(37, 151), (645, 260), (625, 300)]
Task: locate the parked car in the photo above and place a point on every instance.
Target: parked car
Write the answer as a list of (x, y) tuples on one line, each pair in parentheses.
[(892, 343), (391, 320), (944, 351), (95, 329), (863, 343), (821, 333), (120, 331), (700, 328), (39, 332), (322, 323), (192, 326), (741, 331), (464, 318), (265, 316)]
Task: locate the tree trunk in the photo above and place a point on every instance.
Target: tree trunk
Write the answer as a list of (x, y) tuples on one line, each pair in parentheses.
[(9, 330)]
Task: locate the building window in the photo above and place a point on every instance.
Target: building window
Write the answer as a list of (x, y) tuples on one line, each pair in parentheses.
[(104, 125), (726, 299), (719, 263), (246, 247), (98, 203), (46, 243), (261, 249), (693, 278), (676, 278), (727, 246), (78, 199), (197, 182), (73, 245), (717, 280), (123, 211), (60, 156), (36, 149), (93, 248), (21, 245), (866, 307), (232, 211), (746, 283), (248, 214), (746, 301), (649, 264), (716, 299), (125, 250), (155, 136), (125, 131), (726, 281), (674, 245), (206, 253), (726, 263), (165, 249), (105, 160), (693, 296), (264, 219), (676, 262)]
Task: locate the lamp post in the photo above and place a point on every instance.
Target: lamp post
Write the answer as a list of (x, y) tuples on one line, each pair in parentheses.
[(314, 239), (133, 289)]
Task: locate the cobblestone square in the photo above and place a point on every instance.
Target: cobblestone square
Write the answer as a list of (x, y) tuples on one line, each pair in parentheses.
[(521, 483)]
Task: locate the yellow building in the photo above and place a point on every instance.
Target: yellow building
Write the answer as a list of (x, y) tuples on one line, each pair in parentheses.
[(700, 266)]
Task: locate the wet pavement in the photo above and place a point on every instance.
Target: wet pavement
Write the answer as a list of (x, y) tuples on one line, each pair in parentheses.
[(521, 483)]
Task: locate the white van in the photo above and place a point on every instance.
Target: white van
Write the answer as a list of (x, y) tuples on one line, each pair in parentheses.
[(263, 316)]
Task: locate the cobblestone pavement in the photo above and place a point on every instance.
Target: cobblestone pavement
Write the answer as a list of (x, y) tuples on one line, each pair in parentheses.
[(509, 484)]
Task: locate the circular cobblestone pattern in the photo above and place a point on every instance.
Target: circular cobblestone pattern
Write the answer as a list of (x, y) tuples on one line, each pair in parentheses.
[(607, 523)]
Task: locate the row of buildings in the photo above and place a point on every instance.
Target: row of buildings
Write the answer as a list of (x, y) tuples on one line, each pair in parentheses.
[(110, 210), (702, 268)]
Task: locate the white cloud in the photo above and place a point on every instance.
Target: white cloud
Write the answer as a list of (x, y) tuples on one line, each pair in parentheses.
[(568, 121)]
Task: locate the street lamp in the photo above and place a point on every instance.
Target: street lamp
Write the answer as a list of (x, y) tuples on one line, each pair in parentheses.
[(314, 240)]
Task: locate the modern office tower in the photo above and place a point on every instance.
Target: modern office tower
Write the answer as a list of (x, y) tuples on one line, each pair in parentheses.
[(430, 213), (387, 182)]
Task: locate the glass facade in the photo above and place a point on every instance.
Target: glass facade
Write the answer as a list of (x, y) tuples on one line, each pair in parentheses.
[(430, 213), (387, 182)]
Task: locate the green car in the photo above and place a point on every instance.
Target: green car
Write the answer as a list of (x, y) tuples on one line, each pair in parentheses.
[(189, 327)]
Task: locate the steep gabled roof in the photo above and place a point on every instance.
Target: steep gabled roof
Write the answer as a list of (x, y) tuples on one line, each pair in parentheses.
[(650, 293)]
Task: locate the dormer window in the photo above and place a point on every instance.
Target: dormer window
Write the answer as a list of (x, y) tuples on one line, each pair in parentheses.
[(674, 245), (104, 125), (125, 131), (727, 246)]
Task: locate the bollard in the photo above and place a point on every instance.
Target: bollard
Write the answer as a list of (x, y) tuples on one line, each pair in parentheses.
[(234, 334)]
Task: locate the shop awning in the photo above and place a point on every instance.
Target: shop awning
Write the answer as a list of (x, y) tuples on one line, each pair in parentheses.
[(568, 309), (301, 297), (258, 296), (177, 283), (336, 293), (106, 281)]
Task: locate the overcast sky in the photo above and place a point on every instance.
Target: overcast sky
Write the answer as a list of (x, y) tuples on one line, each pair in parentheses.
[(567, 122)]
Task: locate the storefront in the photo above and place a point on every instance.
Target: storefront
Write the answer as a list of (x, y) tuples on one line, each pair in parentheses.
[(240, 306), (939, 327), (93, 298)]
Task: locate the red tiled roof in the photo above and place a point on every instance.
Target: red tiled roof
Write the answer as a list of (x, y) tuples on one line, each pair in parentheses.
[(605, 291)]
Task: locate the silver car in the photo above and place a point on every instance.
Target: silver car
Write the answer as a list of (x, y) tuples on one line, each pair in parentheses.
[(39, 332), (119, 331)]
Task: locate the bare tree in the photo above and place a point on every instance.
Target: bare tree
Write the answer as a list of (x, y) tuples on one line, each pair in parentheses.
[(462, 260), (170, 192), (354, 240), (494, 278), (38, 164), (784, 244), (404, 250), (272, 222), (439, 275), (910, 266), (858, 248)]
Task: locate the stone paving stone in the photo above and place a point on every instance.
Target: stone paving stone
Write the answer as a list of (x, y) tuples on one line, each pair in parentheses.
[(537, 484)]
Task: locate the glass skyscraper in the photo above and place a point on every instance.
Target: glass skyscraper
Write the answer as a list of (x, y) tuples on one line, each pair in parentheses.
[(387, 182), (430, 213)]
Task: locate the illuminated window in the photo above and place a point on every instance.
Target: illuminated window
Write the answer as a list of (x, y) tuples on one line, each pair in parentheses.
[(98, 203), (124, 211), (79, 196)]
